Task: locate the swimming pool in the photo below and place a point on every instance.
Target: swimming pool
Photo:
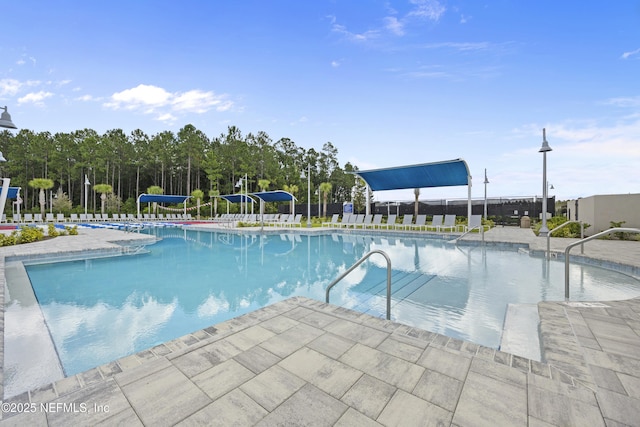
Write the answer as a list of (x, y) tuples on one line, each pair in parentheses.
[(99, 310)]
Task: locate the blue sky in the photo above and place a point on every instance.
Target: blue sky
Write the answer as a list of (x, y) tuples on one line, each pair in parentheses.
[(389, 83)]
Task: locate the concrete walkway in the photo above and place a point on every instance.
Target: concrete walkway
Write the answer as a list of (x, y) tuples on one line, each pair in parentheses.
[(304, 362)]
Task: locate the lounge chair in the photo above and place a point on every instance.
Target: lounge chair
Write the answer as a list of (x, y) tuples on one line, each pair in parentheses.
[(421, 221), (60, 218), (436, 223), (334, 221), (391, 222), (49, 217), (377, 221), (17, 218), (28, 217), (475, 221), (358, 220), (449, 223), (37, 217), (366, 222), (73, 217), (406, 222)]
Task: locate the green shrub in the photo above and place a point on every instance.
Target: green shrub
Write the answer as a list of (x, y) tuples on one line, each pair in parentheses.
[(73, 231), (29, 234), (572, 230), (7, 239), (52, 231)]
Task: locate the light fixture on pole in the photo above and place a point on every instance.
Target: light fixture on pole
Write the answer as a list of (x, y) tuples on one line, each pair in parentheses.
[(308, 195), (5, 119), (544, 230), (486, 181), (86, 193), (5, 122)]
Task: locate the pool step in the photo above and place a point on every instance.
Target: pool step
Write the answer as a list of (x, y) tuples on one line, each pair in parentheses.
[(401, 287)]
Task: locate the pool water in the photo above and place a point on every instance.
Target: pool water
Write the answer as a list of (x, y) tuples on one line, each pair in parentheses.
[(99, 310)]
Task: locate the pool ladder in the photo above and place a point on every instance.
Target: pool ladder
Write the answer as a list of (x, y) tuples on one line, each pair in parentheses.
[(353, 267)]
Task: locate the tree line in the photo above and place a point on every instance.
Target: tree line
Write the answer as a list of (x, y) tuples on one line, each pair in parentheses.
[(126, 165)]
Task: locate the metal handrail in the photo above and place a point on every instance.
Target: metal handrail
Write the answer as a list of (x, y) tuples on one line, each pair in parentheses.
[(469, 231), (360, 261), (595, 236), (564, 224)]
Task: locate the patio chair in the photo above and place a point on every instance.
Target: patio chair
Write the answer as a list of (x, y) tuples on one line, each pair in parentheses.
[(37, 217), (60, 218), (358, 220), (49, 217), (17, 218), (449, 223), (366, 222), (421, 221), (377, 221), (391, 222), (436, 223), (406, 221), (475, 221), (334, 221), (73, 217)]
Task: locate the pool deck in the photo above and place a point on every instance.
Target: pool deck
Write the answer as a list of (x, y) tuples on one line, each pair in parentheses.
[(304, 362)]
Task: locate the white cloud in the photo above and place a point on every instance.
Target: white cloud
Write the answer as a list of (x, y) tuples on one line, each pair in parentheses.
[(149, 99), (355, 37), (394, 26), (11, 87), (335, 64), (35, 98), (86, 98), (625, 101), (429, 9), (627, 55)]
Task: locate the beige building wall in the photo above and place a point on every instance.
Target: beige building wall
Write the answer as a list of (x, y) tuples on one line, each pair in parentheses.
[(600, 210)]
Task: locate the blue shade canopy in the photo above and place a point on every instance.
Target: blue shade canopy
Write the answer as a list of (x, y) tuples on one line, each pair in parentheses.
[(275, 196), (439, 174), (237, 198), (161, 198), (13, 192)]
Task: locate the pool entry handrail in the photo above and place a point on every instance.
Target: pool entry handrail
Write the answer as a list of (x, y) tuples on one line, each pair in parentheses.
[(480, 229), (353, 267), (585, 240), (564, 224)]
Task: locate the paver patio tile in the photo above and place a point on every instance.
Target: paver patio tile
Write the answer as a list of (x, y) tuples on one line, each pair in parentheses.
[(233, 409), (94, 398), (329, 375), (439, 389), (486, 401), (357, 332), (291, 340), (354, 418), (272, 387), (309, 406), (446, 362), (331, 345), (250, 337), (257, 359), (406, 410), (222, 378), (196, 361), (387, 368), (400, 349), (560, 409), (165, 398), (369, 395), (618, 407)]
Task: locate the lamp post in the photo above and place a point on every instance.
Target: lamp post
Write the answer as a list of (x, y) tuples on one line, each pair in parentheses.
[(486, 181), (86, 193), (5, 122), (309, 195), (544, 149)]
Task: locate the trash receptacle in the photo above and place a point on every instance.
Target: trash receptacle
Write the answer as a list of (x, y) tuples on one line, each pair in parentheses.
[(525, 222)]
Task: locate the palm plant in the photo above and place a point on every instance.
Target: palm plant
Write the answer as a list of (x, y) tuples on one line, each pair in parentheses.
[(154, 189), (325, 189), (198, 195), (42, 184), (416, 193), (103, 189)]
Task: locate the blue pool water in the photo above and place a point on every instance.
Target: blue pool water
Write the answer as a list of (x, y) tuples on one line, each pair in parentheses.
[(99, 310)]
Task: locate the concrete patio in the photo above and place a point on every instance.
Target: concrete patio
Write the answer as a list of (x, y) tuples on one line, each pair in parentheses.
[(304, 362)]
